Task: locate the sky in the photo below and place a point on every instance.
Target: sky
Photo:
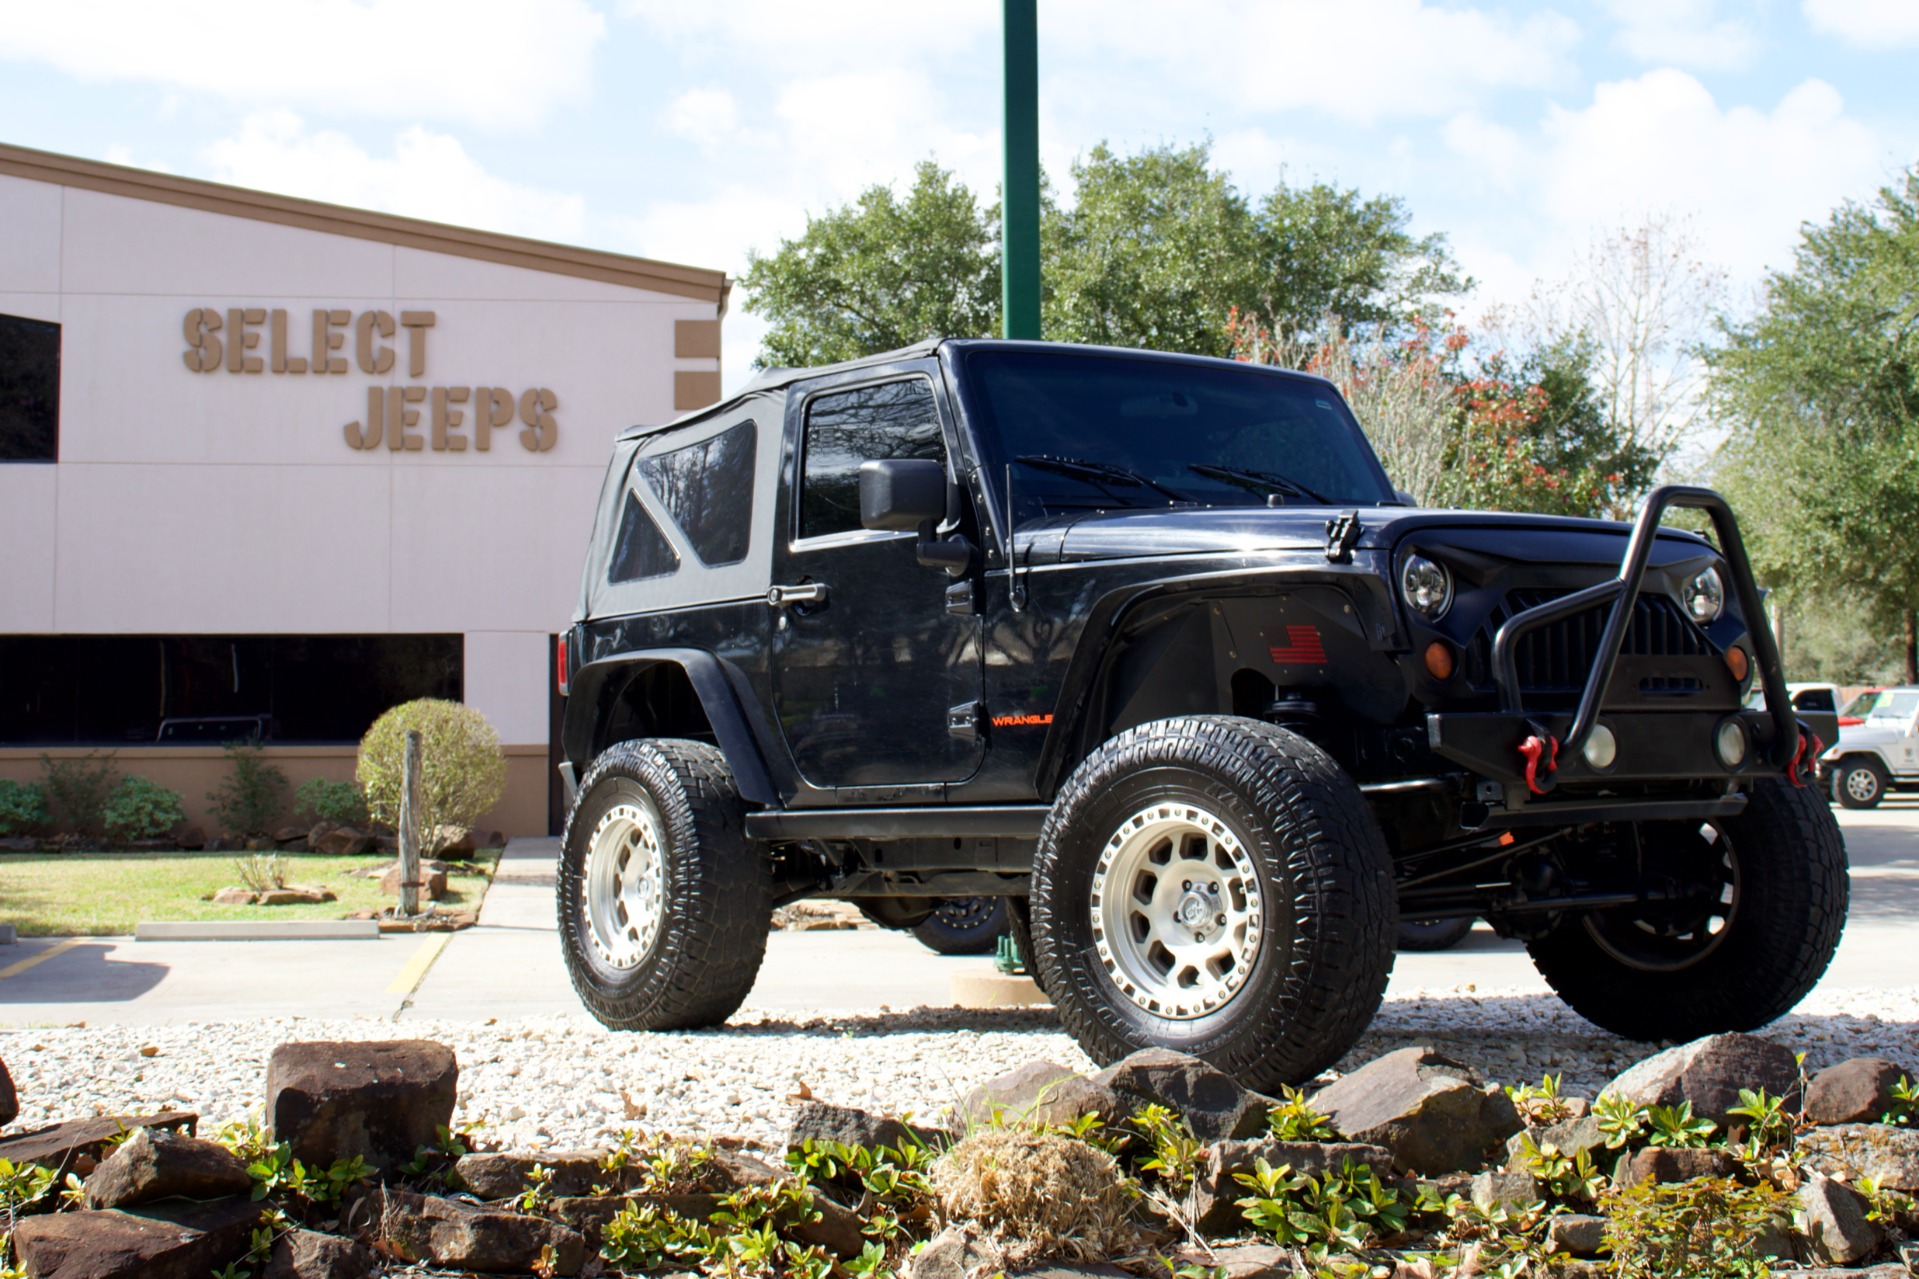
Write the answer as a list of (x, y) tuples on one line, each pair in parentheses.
[(696, 131)]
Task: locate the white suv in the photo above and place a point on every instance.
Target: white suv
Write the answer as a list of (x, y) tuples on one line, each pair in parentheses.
[(1879, 755)]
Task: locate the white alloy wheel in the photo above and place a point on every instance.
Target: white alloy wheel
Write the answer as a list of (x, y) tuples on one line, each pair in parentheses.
[(1176, 910), (1862, 784), (625, 896)]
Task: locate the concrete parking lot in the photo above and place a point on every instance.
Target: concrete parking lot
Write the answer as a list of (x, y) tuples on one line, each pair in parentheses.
[(509, 965)]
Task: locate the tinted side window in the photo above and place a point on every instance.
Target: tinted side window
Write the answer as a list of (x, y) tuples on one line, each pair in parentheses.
[(641, 550), (1814, 699), (29, 390), (845, 428), (708, 490)]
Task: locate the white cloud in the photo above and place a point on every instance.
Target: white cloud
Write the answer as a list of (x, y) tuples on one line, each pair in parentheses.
[(486, 62), (1870, 24), (705, 116), (821, 35), (429, 175), (1684, 33), (1497, 152)]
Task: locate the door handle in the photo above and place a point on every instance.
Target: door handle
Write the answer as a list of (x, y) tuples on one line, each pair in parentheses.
[(787, 596)]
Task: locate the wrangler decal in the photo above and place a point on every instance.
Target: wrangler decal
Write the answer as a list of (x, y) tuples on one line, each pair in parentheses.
[(1021, 721)]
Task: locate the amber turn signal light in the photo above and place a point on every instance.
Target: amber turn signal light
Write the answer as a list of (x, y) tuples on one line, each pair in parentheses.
[(1439, 660), (1738, 664)]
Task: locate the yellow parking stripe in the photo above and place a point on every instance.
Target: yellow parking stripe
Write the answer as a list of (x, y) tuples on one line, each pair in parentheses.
[(14, 970), (416, 967)]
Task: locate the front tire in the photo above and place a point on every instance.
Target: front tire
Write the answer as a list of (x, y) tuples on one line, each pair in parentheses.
[(1726, 960), (1859, 783), (663, 903), (1217, 886)]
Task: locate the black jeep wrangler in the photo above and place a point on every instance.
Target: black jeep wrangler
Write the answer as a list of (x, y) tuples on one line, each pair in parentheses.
[(1149, 646)]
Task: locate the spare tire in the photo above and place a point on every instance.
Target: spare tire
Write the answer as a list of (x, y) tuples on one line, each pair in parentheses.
[(964, 926)]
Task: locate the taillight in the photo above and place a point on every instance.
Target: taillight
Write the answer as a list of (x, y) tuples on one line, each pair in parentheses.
[(559, 663)]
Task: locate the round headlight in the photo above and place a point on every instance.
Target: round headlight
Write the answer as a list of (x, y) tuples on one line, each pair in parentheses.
[(1705, 597), (1426, 587), (1602, 748), (1729, 743)]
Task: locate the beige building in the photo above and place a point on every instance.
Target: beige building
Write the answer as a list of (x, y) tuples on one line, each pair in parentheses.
[(270, 461)]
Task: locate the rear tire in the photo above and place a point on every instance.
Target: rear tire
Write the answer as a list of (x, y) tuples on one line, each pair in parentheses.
[(964, 926), (1670, 973), (663, 902), (1859, 783), (1217, 886)]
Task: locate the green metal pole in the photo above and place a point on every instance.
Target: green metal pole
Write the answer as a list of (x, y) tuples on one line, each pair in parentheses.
[(1019, 197)]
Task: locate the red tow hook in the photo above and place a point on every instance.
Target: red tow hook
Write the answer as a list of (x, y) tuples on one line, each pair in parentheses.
[(1536, 748), (1803, 768)]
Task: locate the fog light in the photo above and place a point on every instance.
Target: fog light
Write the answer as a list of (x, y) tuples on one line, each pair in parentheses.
[(1729, 743), (1601, 748), (1738, 664), (1439, 660)]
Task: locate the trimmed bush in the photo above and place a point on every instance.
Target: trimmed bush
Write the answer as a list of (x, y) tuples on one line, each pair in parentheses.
[(140, 809), (341, 803), (251, 799), (463, 769), (23, 808), (77, 790)]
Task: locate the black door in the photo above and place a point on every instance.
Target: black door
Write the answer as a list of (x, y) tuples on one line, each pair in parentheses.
[(865, 678)]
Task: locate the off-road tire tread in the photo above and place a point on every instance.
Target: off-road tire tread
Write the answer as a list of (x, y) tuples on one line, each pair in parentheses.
[(1793, 857), (1333, 852), (719, 906)]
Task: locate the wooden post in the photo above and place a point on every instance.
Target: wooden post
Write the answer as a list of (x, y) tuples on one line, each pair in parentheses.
[(410, 826)]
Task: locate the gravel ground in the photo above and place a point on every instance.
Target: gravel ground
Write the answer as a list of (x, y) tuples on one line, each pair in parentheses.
[(555, 1082)]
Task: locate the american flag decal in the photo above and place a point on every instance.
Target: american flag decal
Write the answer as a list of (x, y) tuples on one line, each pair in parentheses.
[(1302, 648)]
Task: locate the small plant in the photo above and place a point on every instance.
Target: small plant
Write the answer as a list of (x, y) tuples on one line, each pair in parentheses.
[(1540, 1103), (1702, 1229), (462, 768), (21, 1185), (1294, 1119), (434, 1161), (1905, 1104), (23, 808), (1675, 1126), (1623, 1122), (1344, 1211), (341, 803), (539, 1188), (1176, 1151), (1769, 1131), (140, 809), (644, 1237), (254, 794), (261, 872), (276, 1172), (1563, 1176), (76, 791)]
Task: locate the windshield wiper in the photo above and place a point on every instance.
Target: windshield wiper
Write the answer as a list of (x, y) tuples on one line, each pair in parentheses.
[(1101, 473), (1256, 480)]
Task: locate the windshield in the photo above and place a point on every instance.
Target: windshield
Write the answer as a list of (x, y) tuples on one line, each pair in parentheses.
[(1896, 706), (1862, 705), (1085, 430)]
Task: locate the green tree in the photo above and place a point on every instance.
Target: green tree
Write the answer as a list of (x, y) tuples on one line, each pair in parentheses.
[(1821, 391), (880, 274)]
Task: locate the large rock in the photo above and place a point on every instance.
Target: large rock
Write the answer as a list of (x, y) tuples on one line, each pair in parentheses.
[(1235, 1261), (1833, 1218), (1888, 1155), (1509, 1190), (1709, 1073), (161, 1165), (379, 1100), (961, 1251), (1667, 1164), (1570, 1137), (850, 1126), (412, 1227), (174, 1241), (1429, 1110), (76, 1145), (1858, 1091), (339, 841), (1576, 1233), (1212, 1201), (1211, 1101), (1041, 1092), (9, 1100), (432, 881), (308, 1254), (492, 1175)]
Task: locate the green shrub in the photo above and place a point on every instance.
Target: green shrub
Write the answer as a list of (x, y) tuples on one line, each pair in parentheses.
[(140, 809), (341, 803), (23, 808), (77, 791), (462, 768), (252, 797), (1702, 1229)]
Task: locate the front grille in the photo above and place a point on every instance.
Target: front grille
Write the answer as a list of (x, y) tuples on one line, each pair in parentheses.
[(1559, 656)]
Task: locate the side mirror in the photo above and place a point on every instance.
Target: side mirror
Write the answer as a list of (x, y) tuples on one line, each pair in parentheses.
[(900, 493), (1405, 498)]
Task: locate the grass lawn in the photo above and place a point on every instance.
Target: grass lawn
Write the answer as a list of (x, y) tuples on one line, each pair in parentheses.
[(106, 894)]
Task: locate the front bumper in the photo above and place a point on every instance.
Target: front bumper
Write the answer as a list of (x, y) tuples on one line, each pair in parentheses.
[(1673, 746)]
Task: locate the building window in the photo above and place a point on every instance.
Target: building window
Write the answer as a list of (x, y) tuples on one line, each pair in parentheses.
[(29, 390), (641, 550), (126, 690), (708, 490), (845, 428)]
